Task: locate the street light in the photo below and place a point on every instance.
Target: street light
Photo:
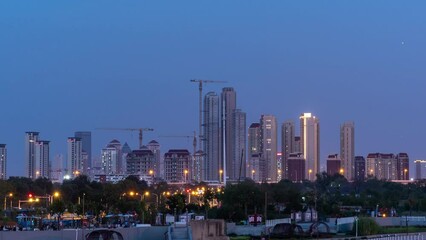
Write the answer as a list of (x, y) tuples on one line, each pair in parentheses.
[(186, 174), (310, 171), (252, 174), (341, 171), (220, 175), (10, 195), (405, 174)]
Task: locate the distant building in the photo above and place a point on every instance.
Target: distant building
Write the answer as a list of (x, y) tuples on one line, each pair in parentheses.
[(42, 159), (268, 147), (382, 166), (158, 167), (86, 146), (3, 162), (279, 166), (334, 165), (125, 150), (420, 166), (359, 164), (177, 166), (237, 171), (287, 145), (297, 144), (296, 167), (30, 155), (347, 149), (197, 167), (227, 108), (212, 138), (110, 157), (253, 163), (403, 167), (310, 144), (140, 162), (74, 157)]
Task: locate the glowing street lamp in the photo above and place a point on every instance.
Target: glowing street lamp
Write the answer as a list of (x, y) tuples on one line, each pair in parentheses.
[(10, 195), (405, 174), (341, 171), (252, 174), (186, 174), (310, 171), (220, 175)]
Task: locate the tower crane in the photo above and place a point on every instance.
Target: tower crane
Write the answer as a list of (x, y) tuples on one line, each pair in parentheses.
[(200, 88), (140, 130)]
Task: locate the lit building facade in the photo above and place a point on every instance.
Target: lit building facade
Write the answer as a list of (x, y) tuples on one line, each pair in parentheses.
[(42, 159), (382, 166), (253, 163), (310, 144), (228, 105), (154, 146), (347, 149), (287, 145), (86, 146), (75, 164), (268, 131), (212, 137), (359, 165), (237, 169), (3, 162), (31, 139), (403, 167), (420, 166), (140, 162), (177, 166)]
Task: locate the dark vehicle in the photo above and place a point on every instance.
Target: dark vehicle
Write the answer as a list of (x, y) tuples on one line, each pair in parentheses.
[(104, 235), (286, 230)]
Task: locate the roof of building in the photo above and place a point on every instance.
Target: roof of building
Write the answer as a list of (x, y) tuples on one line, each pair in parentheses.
[(255, 125)]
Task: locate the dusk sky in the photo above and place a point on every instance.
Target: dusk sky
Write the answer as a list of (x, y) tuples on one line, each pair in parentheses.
[(69, 66)]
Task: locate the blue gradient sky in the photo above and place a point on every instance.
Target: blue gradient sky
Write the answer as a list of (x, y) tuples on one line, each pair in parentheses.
[(78, 65)]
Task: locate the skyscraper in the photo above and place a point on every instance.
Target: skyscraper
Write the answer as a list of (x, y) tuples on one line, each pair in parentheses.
[(74, 156), (420, 169), (310, 144), (347, 149), (30, 155), (3, 161), (268, 130), (228, 105), (42, 159), (237, 167), (334, 165), (212, 137), (86, 144), (254, 141), (287, 145)]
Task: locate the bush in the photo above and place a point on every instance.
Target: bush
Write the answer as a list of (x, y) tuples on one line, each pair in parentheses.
[(366, 226)]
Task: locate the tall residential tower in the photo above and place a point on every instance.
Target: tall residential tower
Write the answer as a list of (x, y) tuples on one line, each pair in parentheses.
[(3, 161), (212, 138), (310, 144), (347, 149)]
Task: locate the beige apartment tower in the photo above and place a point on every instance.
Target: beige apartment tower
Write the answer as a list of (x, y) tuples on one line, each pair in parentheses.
[(310, 144), (347, 149)]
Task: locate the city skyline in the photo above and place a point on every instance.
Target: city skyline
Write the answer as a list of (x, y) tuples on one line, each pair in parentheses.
[(61, 64)]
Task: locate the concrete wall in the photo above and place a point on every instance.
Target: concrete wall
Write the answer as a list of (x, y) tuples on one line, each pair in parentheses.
[(73, 234), (212, 229), (245, 230)]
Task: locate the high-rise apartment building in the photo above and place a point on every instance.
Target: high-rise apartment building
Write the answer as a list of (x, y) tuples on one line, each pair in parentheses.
[(42, 159), (111, 158), (31, 139), (86, 145), (420, 166), (359, 166), (297, 144), (287, 145), (3, 161), (228, 106), (177, 166), (237, 168), (347, 149), (254, 152), (74, 157), (334, 165), (382, 166), (310, 144), (212, 137), (158, 168), (403, 167), (268, 146), (125, 150)]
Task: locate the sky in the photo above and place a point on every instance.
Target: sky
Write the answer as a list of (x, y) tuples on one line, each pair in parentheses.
[(69, 66)]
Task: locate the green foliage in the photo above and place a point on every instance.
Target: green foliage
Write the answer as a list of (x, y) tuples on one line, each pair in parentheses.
[(367, 226)]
